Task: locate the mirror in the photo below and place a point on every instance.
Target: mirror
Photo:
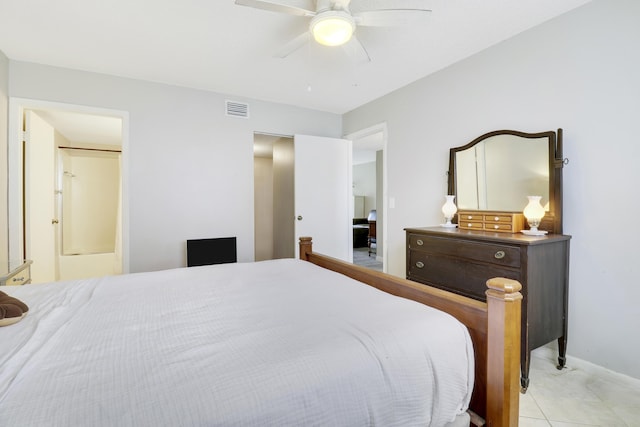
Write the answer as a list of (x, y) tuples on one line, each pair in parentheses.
[(498, 170)]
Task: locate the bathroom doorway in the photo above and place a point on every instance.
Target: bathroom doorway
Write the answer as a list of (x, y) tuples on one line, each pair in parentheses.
[(66, 191)]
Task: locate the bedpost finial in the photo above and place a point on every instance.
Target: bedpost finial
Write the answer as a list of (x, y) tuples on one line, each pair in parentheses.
[(305, 247), (504, 288)]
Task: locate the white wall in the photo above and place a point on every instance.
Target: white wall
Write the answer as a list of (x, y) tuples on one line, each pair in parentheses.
[(190, 166), (580, 72)]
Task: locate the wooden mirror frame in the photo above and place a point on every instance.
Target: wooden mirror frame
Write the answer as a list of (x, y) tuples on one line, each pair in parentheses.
[(552, 221)]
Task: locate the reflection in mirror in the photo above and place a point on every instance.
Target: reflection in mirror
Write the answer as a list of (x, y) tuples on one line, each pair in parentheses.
[(498, 173), (498, 170)]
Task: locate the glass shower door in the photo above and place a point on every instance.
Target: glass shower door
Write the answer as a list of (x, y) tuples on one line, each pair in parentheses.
[(90, 200)]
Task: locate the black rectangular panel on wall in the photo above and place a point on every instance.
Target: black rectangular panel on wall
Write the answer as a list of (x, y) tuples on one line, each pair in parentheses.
[(220, 250)]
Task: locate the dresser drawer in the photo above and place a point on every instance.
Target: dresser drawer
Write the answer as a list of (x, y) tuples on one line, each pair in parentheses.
[(470, 216), (471, 225), (506, 218), (471, 220), (456, 275), (498, 226), (21, 278), (496, 254)]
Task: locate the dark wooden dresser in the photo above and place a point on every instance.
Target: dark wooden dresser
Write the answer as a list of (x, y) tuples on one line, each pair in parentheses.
[(461, 261)]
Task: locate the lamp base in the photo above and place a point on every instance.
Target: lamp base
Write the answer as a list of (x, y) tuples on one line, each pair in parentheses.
[(448, 225), (534, 232)]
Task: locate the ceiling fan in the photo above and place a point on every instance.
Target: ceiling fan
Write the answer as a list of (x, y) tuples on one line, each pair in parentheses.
[(333, 22)]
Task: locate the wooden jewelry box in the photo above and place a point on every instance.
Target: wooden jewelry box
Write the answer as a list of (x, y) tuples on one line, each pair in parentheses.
[(502, 222)]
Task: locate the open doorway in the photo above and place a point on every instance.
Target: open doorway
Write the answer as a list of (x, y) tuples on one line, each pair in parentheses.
[(306, 193), (273, 176), (368, 160), (66, 190)]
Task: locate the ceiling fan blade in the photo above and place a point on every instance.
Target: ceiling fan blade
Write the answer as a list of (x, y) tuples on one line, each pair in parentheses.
[(278, 6), (340, 4), (293, 45), (362, 5), (356, 49), (390, 17)]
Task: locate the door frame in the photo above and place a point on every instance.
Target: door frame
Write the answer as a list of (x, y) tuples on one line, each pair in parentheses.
[(14, 161), (363, 133)]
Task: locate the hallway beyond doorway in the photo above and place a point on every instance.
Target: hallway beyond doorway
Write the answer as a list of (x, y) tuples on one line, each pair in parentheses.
[(361, 257)]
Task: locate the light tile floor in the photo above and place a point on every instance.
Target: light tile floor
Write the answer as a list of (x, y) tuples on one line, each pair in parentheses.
[(577, 396)]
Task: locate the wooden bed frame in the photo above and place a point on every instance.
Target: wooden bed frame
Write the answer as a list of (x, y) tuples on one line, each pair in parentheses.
[(494, 328)]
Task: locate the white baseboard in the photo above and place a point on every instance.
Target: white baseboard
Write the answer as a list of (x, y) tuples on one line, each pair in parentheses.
[(550, 351)]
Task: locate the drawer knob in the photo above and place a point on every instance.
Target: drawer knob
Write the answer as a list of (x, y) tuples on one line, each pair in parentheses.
[(469, 217), (419, 242), (419, 264), (499, 255), (496, 226), (497, 218)]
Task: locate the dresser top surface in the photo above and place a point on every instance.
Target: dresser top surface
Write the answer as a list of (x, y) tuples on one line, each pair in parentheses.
[(12, 266), (490, 236)]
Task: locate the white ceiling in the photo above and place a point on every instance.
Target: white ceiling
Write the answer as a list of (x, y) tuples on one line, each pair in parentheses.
[(218, 46), (85, 128)]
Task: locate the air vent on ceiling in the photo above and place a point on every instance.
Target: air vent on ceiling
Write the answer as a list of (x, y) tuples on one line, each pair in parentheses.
[(237, 109)]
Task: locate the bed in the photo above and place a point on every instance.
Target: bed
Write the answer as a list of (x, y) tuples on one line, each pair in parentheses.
[(273, 343)]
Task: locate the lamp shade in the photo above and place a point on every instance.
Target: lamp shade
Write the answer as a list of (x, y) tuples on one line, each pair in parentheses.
[(449, 209), (534, 212), (332, 28)]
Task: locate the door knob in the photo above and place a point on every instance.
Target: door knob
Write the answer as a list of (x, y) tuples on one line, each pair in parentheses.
[(299, 217)]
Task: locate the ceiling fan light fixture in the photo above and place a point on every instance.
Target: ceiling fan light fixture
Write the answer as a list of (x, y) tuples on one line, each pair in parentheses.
[(332, 28)]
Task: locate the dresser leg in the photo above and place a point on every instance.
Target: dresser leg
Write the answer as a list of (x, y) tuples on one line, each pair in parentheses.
[(524, 371), (562, 351)]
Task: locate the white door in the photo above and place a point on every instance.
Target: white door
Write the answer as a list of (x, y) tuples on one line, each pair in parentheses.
[(40, 198), (323, 194)]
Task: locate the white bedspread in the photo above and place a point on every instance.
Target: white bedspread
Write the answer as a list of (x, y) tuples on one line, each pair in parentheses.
[(276, 343)]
